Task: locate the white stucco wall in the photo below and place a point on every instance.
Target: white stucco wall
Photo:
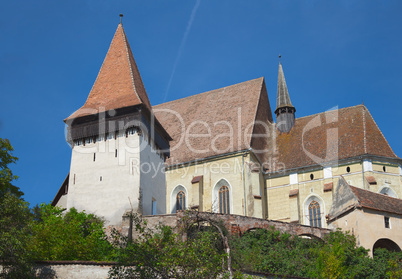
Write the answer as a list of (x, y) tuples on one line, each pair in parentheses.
[(105, 186), (153, 179), (108, 184)]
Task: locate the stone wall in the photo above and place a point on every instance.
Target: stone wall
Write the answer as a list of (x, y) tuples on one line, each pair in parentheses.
[(99, 270), (73, 270), (235, 224)]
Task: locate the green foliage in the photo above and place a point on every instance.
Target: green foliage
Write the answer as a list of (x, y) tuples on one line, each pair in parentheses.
[(273, 252), (71, 236), (46, 233), (336, 257), (15, 217), (6, 175), (166, 255)]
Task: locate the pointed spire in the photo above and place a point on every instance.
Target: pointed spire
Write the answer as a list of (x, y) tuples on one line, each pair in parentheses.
[(283, 99), (118, 83), (285, 111)]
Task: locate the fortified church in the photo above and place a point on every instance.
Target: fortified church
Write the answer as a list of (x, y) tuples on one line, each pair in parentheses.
[(222, 151)]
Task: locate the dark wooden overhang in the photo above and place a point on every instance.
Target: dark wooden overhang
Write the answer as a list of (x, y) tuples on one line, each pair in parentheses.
[(107, 122)]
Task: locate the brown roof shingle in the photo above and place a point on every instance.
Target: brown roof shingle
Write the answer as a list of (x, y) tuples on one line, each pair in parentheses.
[(331, 135), (375, 201), (371, 180), (118, 83), (223, 119)]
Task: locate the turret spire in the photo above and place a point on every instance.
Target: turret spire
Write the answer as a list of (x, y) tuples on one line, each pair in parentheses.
[(119, 82), (285, 111)]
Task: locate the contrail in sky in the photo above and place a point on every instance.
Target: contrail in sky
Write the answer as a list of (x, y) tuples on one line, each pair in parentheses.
[(183, 42)]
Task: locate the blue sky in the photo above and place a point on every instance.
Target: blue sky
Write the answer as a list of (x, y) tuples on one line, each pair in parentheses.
[(334, 53)]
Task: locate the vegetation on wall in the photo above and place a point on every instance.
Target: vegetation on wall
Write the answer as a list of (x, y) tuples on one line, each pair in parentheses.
[(198, 253), (200, 248), (336, 256)]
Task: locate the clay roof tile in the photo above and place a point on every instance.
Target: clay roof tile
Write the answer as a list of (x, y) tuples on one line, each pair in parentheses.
[(216, 122), (330, 136), (375, 201), (118, 83)]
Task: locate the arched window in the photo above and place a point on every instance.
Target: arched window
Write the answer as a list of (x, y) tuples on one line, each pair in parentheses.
[(180, 201), (388, 191), (314, 213), (224, 205)]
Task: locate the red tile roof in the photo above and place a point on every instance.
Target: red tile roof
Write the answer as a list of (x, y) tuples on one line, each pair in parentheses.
[(371, 180), (224, 120), (349, 131), (315, 139), (118, 84), (293, 193), (375, 201), (196, 179), (328, 186)]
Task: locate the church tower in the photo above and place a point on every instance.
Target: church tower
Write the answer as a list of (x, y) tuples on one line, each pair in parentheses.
[(118, 146), (285, 112)]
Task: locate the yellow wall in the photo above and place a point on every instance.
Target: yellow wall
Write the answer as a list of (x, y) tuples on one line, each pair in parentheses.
[(244, 184), (284, 208), (247, 186), (358, 221)]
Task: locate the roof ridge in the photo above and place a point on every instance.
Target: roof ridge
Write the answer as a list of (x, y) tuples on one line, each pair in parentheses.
[(364, 131), (375, 123), (128, 60), (256, 107), (315, 114), (373, 193), (209, 91), (97, 76)]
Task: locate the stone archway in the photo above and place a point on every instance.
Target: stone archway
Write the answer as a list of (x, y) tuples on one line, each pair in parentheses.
[(311, 236), (387, 244)]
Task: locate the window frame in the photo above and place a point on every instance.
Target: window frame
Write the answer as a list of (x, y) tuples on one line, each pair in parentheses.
[(180, 201)]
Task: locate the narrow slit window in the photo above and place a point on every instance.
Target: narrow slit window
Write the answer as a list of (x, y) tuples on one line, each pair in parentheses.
[(386, 222)]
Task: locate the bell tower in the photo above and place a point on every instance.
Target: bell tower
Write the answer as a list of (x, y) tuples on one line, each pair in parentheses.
[(118, 146), (285, 111)]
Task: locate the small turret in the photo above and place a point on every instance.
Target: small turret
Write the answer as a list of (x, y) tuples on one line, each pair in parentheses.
[(285, 111)]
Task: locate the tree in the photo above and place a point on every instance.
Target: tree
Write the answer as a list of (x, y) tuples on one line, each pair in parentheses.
[(273, 252), (165, 254), (337, 256), (6, 175), (70, 236), (15, 219)]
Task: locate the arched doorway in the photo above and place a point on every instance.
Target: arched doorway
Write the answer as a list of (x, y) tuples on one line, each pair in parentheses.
[(387, 244)]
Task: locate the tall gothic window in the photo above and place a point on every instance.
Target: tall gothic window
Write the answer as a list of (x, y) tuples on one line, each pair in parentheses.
[(314, 213), (180, 201), (224, 205)]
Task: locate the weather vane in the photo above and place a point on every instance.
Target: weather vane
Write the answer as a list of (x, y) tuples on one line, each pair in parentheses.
[(280, 58), (121, 18)]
